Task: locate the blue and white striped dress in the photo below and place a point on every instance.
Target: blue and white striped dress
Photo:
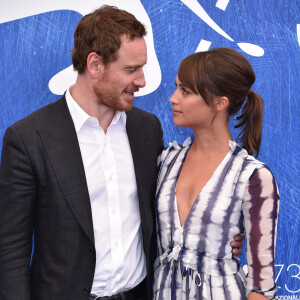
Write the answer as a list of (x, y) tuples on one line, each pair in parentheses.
[(195, 260)]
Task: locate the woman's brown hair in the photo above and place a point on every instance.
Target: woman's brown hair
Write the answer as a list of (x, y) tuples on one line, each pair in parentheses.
[(101, 31), (225, 72)]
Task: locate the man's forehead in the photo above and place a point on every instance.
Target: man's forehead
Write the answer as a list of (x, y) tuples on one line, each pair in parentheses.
[(137, 41), (133, 50)]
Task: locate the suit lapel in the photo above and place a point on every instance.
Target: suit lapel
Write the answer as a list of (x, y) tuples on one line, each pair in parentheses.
[(63, 150), (138, 144)]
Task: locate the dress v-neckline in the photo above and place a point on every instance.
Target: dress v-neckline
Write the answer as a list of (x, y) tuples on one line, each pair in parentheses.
[(203, 188)]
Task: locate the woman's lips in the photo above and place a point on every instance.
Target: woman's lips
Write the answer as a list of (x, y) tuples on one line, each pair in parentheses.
[(174, 111)]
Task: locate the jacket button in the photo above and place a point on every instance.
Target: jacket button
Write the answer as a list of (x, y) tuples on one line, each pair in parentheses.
[(92, 250), (86, 291)]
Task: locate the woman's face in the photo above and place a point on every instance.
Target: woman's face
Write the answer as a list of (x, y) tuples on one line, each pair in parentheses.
[(190, 109)]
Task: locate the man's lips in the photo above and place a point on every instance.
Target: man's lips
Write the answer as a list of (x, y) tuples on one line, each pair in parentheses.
[(131, 91)]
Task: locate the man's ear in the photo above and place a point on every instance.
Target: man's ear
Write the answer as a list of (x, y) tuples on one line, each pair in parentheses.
[(94, 65), (221, 103)]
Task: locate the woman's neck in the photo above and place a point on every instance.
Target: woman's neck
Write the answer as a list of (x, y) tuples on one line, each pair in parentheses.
[(211, 141)]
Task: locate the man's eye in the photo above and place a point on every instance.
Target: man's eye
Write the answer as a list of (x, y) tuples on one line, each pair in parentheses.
[(131, 70)]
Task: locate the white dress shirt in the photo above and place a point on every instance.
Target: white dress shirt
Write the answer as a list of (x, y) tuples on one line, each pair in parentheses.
[(109, 170)]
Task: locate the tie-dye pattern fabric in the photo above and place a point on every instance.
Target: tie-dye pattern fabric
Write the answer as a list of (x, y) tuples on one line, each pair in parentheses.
[(195, 260)]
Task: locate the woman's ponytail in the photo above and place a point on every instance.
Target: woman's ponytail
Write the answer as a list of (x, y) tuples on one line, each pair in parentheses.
[(250, 121)]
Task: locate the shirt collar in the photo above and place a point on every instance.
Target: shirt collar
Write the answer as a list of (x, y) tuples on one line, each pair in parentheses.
[(119, 115), (79, 116)]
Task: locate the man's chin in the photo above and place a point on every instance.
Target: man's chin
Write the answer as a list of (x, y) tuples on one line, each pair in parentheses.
[(119, 106), (123, 107), (127, 107)]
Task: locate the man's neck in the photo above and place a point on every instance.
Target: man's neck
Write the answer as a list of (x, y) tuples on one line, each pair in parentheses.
[(85, 97)]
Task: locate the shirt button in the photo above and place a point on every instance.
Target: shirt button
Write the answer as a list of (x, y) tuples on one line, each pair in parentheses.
[(116, 244), (113, 210)]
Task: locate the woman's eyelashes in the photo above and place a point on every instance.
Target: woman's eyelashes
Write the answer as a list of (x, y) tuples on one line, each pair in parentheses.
[(183, 90)]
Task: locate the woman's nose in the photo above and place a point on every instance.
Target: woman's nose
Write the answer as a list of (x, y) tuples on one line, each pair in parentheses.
[(173, 98)]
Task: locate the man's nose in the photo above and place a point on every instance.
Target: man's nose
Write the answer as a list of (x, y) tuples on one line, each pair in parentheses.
[(140, 80)]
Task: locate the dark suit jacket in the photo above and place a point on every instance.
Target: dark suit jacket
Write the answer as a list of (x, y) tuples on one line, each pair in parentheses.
[(43, 189)]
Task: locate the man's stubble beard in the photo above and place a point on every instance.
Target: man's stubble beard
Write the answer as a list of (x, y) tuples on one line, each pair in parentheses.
[(110, 96)]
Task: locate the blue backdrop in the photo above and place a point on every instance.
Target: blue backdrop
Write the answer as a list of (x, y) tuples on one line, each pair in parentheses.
[(35, 45)]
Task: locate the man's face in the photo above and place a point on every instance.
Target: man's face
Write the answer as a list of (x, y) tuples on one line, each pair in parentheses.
[(124, 76)]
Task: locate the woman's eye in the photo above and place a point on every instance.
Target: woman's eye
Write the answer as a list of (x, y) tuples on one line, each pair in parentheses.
[(184, 91)]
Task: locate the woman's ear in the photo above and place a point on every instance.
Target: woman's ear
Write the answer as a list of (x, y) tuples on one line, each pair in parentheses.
[(221, 103), (94, 65)]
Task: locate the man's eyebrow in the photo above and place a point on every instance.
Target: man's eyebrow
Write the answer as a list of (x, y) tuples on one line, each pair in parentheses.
[(135, 66)]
